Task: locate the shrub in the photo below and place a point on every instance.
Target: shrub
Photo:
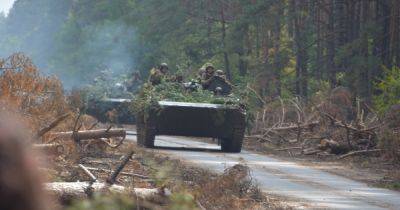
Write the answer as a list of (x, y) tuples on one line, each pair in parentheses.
[(389, 90)]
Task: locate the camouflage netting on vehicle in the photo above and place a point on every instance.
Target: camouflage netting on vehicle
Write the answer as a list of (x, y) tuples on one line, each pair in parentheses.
[(108, 97), (107, 85), (150, 95)]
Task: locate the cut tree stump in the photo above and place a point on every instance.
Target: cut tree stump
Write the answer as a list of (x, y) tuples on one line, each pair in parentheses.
[(91, 134), (68, 191)]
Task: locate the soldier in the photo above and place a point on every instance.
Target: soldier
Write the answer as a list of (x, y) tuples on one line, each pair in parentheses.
[(209, 71), (220, 73), (136, 76), (200, 73), (207, 75), (164, 68), (158, 75), (134, 81)]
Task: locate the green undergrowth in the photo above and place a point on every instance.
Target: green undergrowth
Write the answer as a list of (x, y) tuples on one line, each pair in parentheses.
[(103, 202), (394, 185)]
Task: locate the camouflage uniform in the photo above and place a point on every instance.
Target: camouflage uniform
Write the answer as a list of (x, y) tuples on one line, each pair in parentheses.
[(208, 74), (134, 81), (200, 73), (158, 75), (220, 73)]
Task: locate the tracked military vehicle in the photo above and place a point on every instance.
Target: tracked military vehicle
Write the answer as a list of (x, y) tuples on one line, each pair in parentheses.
[(110, 102), (115, 110), (225, 122)]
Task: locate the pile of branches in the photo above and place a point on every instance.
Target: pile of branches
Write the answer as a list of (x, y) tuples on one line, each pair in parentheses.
[(332, 125), (67, 138)]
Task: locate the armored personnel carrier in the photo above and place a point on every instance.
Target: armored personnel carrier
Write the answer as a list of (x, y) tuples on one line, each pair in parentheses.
[(115, 110), (225, 122), (110, 102)]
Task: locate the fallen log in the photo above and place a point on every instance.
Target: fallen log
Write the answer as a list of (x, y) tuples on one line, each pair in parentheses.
[(296, 127), (113, 177), (52, 125), (288, 148), (350, 127), (360, 152), (258, 137), (49, 149), (68, 191), (122, 173), (310, 151), (91, 134), (92, 177)]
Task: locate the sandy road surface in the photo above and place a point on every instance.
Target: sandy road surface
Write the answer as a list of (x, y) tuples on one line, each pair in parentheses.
[(303, 186)]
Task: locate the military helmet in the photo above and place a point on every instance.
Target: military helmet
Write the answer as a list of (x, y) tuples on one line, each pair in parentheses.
[(209, 65), (201, 70), (219, 72), (164, 65)]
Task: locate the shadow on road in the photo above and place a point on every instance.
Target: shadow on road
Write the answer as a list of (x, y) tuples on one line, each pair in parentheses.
[(188, 149)]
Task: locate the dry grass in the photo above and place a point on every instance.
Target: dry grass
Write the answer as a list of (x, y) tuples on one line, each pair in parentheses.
[(234, 189)]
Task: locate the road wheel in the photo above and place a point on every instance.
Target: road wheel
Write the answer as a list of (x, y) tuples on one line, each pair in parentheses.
[(149, 131), (150, 136), (234, 143), (140, 129)]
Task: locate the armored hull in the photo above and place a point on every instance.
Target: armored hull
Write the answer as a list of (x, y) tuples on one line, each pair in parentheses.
[(224, 122), (113, 110)]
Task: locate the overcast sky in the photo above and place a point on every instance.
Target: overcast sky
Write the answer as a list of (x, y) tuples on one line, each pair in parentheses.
[(5, 5)]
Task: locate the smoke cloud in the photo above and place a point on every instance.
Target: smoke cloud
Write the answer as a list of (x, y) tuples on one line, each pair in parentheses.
[(60, 45), (106, 47)]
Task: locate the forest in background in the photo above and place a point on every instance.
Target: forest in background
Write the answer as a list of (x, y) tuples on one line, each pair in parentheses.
[(324, 75), (281, 48)]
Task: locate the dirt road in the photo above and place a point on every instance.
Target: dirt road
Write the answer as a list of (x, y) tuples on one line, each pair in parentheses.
[(302, 186)]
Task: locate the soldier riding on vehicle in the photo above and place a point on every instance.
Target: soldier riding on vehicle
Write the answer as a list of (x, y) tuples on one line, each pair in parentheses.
[(220, 73), (208, 74), (158, 75)]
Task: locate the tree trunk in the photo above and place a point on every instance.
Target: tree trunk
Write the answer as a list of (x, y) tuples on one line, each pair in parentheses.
[(91, 134), (319, 49), (68, 191), (364, 69), (384, 10), (225, 51), (301, 52), (277, 44), (331, 67), (241, 51), (52, 125)]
